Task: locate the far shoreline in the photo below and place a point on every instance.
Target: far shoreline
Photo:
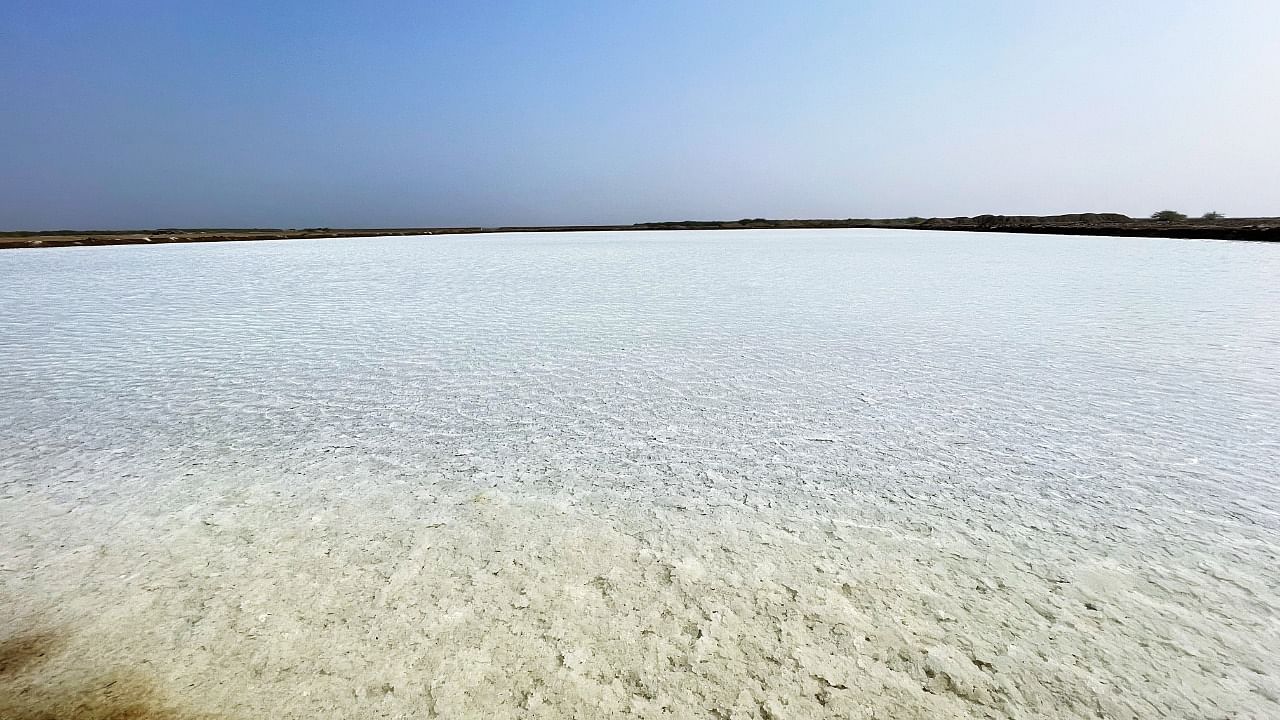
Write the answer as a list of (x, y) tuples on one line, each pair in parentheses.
[(1265, 229)]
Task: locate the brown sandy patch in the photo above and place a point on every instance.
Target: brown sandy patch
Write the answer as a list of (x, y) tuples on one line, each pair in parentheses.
[(30, 689)]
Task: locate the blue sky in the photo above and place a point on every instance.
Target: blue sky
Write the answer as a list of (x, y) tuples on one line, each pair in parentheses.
[(308, 113)]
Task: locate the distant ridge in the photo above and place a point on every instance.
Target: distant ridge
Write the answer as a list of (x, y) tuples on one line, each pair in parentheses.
[(1265, 229)]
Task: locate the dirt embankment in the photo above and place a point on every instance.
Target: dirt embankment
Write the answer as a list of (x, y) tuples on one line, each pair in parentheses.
[(1264, 229)]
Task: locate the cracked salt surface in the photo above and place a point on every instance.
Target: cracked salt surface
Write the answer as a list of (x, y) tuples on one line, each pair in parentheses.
[(760, 474)]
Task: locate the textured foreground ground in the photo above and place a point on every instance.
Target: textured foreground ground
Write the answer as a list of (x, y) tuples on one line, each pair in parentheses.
[(747, 476)]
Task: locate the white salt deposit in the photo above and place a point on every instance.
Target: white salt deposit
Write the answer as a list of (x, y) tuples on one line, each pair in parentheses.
[(846, 474)]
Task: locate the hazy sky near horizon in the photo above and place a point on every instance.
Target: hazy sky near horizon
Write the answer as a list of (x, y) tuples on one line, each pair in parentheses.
[(301, 113)]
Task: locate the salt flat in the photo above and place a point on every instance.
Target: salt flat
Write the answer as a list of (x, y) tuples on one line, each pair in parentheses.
[(755, 474)]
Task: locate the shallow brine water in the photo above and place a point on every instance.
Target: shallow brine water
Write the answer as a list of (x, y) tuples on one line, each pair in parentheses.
[(758, 474)]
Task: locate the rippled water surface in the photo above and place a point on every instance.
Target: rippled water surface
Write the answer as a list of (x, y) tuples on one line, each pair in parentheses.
[(756, 474)]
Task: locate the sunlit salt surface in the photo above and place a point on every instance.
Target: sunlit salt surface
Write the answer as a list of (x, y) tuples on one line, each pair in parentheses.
[(759, 474)]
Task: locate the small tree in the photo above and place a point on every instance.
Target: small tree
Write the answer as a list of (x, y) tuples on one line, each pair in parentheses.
[(1166, 215), (1212, 215)]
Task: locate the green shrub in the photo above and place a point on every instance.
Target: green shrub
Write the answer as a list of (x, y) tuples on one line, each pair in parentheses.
[(1168, 215)]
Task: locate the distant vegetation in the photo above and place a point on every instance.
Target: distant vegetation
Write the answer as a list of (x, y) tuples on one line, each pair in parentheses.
[(1174, 215)]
